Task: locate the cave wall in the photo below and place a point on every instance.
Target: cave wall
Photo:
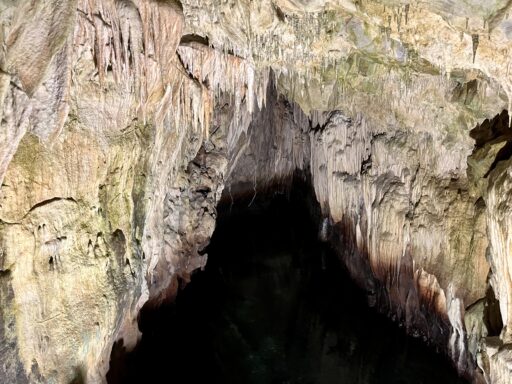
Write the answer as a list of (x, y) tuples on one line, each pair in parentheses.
[(110, 181), (122, 121), (399, 209)]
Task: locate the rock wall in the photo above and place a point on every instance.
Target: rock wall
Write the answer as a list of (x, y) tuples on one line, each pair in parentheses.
[(123, 120), (410, 231), (113, 166)]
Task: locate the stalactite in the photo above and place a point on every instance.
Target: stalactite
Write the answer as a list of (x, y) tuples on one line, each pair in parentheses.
[(390, 176), (475, 40)]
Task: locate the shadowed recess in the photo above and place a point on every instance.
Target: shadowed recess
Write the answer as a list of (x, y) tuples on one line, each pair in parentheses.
[(274, 305)]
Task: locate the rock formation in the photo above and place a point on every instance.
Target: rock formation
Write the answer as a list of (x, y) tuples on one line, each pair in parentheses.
[(124, 120)]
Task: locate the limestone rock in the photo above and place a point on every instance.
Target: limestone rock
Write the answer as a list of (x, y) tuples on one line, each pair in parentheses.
[(123, 121)]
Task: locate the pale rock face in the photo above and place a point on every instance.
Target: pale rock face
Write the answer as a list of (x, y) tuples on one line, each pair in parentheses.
[(123, 121), (398, 225), (498, 196)]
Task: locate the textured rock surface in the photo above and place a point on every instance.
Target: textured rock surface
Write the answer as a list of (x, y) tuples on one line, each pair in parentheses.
[(122, 121)]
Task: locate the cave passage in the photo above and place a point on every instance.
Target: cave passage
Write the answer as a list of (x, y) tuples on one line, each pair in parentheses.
[(274, 305)]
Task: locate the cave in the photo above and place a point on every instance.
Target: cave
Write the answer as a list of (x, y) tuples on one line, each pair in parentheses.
[(274, 304), (353, 156)]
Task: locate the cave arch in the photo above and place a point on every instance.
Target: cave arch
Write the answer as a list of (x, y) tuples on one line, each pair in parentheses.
[(274, 305)]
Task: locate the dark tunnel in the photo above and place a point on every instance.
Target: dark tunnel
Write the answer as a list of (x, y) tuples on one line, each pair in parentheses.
[(274, 305)]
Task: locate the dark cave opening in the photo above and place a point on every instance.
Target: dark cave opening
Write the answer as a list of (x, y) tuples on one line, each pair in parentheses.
[(274, 305)]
